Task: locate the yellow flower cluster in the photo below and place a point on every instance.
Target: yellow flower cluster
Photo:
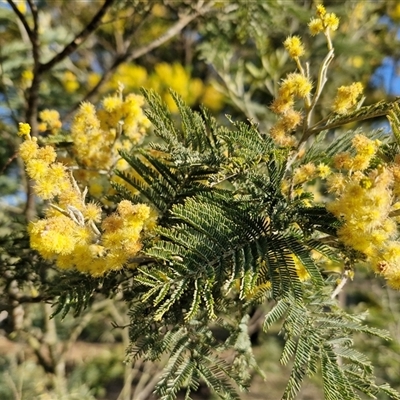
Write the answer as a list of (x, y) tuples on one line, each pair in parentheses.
[(166, 76), (365, 149), (68, 234), (70, 82), (346, 97), (50, 121), (98, 134), (50, 176), (302, 176), (294, 86), (120, 240), (304, 173), (364, 201), (294, 46), (324, 21)]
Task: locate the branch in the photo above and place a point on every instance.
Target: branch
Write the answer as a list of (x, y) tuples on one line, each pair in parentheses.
[(35, 15), (170, 33), (79, 39), (21, 17), (131, 55), (380, 109)]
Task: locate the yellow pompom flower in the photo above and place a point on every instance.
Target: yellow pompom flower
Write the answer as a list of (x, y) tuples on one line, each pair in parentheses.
[(342, 160), (282, 104), (364, 145), (320, 10), (50, 120), (27, 76), (291, 119), (304, 173), (331, 21), (297, 85), (125, 208), (315, 26), (112, 223), (112, 103), (346, 97), (114, 261), (28, 149), (336, 183), (294, 46), (53, 236), (92, 212), (46, 154), (46, 189), (323, 170), (68, 233), (360, 162), (36, 168), (24, 129)]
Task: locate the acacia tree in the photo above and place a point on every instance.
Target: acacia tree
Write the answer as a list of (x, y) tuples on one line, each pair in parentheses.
[(207, 222)]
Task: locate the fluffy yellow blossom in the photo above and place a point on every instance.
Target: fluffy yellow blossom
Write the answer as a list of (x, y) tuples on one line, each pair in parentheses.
[(291, 119), (304, 173), (68, 234), (363, 203), (37, 168), (295, 84), (50, 121), (112, 223), (46, 154), (331, 21), (70, 82), (324, 21), (282, 104), (24, 129), (316, 26), (320, 10), (28, 149), (99, 134), (346, 97), (113, 262), (323, 170), (27, 75), (396, 177), (53, 236), (92, 212), (342, 160), (365, 150), (294, 46), (111, 103), (281, 138), (70, 197), (336, 183), (47, 188), (364, 145), (49, 116), (360, 162)]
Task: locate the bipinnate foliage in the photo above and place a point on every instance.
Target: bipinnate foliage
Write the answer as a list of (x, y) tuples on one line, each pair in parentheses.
[(226, 242)]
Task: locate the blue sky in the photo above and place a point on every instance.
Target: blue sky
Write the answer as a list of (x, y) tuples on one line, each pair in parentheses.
[(387, 76)]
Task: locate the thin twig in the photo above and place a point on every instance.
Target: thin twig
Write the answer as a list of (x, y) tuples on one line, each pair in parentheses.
[(131, 55), (79, 38), (8, 162), (345, 277), (22, 18)]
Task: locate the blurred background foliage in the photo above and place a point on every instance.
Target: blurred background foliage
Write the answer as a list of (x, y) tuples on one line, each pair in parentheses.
[(227, 55)]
